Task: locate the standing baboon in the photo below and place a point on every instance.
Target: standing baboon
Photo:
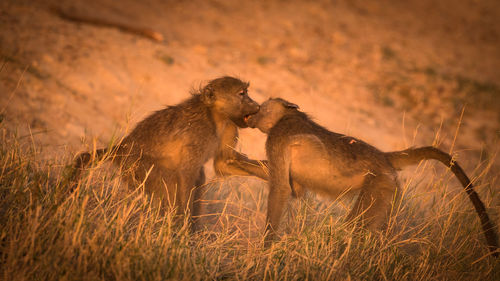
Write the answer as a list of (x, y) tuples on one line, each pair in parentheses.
[(166, 151), (302, 154)]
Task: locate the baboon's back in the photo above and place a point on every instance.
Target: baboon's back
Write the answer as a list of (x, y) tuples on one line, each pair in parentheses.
[(181, 130)]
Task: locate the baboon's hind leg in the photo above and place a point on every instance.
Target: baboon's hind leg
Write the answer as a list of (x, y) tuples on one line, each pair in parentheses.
[(162, 184), (374, 203), (169, 188), (145, 173)]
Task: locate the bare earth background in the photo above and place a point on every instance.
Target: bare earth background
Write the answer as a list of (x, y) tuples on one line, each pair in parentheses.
[(393, 73)]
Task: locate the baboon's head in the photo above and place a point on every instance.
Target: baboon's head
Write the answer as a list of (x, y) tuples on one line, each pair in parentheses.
[(229, 96), (270, 113)]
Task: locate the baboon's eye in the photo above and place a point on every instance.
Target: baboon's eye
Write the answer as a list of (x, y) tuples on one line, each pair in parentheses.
[(242, 93)]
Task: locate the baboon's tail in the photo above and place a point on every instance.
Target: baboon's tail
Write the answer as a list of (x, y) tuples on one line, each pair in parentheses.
[(411, 156), (83, 160)]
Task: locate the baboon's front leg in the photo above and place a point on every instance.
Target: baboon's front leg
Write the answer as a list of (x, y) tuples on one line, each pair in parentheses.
[(278, 197), (197, 200), (279, 194), (186, 191), (228, 161)]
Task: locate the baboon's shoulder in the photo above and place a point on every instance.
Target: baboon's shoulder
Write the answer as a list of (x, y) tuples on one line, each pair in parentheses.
[(290, 124), (188, 117)]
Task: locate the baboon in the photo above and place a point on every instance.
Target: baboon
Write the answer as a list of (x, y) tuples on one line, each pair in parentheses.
[(302, 154), (167, 150)]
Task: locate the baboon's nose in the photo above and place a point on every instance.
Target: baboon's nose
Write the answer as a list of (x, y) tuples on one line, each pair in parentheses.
[(253, 107)]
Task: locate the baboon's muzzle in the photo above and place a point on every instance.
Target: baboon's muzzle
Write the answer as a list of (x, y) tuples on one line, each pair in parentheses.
[(251, 108), (250, 120)]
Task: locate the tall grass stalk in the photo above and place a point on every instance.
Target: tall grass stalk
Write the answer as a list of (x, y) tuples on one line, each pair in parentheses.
[(104, 231)]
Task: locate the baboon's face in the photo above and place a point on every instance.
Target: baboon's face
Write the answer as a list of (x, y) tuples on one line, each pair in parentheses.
[(269, 114), (230, 97)]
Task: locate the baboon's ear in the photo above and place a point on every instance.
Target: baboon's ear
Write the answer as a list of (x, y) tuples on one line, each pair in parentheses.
[(291, 105), (208, 95)]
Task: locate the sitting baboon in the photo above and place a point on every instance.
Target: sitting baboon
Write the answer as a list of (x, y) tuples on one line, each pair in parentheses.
[(166, 151), (302, 154)]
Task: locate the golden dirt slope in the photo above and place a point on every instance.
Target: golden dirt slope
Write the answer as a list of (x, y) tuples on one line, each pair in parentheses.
[(382, 71)]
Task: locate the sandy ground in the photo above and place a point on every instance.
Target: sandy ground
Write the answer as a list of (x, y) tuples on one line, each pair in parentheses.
[(394, 73)]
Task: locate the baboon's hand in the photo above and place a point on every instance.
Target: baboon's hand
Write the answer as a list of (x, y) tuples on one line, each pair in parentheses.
[(234, 162), (249, 167)]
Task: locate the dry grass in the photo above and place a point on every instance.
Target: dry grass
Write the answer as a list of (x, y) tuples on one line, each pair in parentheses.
[(104, 232)]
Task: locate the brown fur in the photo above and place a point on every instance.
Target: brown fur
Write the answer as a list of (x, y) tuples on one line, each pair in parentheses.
[(302, 154), (167, 150)]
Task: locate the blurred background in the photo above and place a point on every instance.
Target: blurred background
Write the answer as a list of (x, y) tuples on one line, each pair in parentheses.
[(393, 73)]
